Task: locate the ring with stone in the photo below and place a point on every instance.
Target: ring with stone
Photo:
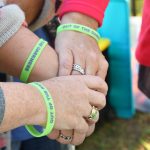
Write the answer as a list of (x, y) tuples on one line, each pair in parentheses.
[(78, 68)]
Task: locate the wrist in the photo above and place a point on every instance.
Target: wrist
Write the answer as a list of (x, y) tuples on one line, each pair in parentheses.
[(79, 18), (39, 113), (23, 104), (49, 125), (46, 67)]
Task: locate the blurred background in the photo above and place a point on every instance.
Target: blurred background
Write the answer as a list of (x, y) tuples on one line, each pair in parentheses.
[(125, 122), (128, 130)]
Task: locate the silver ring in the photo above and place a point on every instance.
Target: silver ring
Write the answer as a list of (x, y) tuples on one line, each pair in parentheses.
[(78, 68), (66, 138)]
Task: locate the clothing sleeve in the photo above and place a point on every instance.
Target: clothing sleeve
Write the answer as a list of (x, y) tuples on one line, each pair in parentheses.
[(46, 14), (2, 3), (143, 48), (92, 8), (11, 19)]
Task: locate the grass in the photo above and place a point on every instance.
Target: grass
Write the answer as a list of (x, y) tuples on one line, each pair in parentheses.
[(119, 134)]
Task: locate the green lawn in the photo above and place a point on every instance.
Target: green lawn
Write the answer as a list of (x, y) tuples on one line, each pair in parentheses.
[(131, 134)]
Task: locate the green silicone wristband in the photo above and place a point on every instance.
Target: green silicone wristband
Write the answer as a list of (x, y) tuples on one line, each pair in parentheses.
[(79, 28), (31, 60), (50, 112)]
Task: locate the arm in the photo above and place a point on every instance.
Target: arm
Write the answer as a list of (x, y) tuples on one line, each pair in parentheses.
[(31, 8), (13, 56), (17, 98), (78, 48), (83, 50), (38, 12), (22, 104)]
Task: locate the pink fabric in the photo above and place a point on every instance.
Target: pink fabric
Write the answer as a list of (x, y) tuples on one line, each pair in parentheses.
[(143, 48), (2, 142), (92, 8)]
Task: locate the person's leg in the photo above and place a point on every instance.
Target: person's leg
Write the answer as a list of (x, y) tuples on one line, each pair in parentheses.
[(144, 80), (143, 102), (15, 145)]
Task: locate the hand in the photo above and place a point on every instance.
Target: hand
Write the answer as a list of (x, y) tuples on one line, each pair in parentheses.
[(73, 107), (78, 48)]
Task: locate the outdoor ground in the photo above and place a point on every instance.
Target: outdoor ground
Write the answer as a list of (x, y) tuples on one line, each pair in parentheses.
[(119, 134), (131, 134)]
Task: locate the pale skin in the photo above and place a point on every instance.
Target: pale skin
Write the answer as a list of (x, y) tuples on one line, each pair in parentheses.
[(73, 49), (26, 101), (59, 87)]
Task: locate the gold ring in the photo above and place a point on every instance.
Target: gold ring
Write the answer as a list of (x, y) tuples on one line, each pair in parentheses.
[(94, 114)]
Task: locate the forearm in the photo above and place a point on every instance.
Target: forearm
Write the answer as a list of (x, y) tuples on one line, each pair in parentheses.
[(23, 105), (32, 8), (13, 57), (38, 12), (79, 18)]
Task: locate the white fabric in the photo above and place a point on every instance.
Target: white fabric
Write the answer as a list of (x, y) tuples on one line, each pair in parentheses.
[(44, 15), (11, 19), (2, 2)]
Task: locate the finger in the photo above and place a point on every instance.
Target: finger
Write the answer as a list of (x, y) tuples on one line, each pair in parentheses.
[(103, 67), (54, 134), (81, 126), (79, 60), (97, 99), (96, 83), (87, 112), (91, 130), (78, 138), (66, 133), (65, 63), (92, 64)]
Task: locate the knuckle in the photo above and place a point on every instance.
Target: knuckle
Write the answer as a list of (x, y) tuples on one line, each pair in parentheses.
[(86, 128), (103, 101), (93, 56), (76, 123), (100, 81), (80, 142), (102, 85), (105, 64), (91, 130), (83, 127), (66, 64), (105, 87), (88, 110)]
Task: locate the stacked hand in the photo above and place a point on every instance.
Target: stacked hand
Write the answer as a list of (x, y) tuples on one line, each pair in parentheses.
[(83, 92), (73, 98)]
